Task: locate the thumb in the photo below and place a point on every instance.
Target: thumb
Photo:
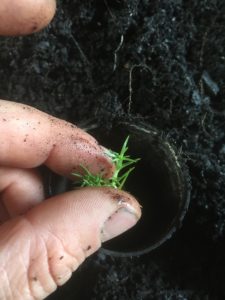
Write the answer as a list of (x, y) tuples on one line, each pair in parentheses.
[(41, 249)]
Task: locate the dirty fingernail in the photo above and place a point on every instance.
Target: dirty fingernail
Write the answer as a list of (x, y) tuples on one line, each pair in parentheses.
[(119, 222), (106, 157)]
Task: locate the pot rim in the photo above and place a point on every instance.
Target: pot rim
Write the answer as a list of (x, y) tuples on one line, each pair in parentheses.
[(182, 210)]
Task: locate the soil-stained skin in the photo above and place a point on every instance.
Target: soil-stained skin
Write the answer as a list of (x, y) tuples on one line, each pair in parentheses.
[(39, 138), (178, 41), (124, 200), (25, 17)]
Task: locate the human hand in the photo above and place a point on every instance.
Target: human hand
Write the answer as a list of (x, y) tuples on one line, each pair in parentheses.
[(25, 16), (43, 242)]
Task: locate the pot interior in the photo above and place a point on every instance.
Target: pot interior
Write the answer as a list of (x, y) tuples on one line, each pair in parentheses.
[(158, 182)]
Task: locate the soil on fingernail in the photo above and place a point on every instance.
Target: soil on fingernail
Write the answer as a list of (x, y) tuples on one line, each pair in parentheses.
[(116, 196), (158, 61)]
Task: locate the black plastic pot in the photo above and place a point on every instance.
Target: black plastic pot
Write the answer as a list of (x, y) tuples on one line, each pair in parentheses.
[(160, 182)]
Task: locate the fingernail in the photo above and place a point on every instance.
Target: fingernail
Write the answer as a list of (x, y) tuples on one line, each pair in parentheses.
[(108, 159), (119, 222), (93, 158)]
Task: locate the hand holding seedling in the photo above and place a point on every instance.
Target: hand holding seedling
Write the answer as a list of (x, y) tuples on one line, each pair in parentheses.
[(43, 242), (123, 164)]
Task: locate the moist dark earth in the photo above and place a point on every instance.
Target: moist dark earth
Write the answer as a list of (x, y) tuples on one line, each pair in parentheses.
[(158, 61)]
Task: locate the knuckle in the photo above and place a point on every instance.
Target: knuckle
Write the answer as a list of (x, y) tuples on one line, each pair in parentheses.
[(63, 263), (52, 265)]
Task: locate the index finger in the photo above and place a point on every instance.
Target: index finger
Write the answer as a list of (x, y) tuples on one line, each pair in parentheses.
[(30, 138)]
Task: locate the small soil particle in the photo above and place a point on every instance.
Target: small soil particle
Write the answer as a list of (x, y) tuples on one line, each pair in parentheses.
[(34, 27), (174, 43), (115, 195)]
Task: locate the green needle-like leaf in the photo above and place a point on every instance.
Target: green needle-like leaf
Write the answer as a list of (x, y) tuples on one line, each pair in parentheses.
[(122, 172)]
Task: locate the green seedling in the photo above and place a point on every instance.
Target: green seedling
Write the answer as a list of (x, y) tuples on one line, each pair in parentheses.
[(124, 165)]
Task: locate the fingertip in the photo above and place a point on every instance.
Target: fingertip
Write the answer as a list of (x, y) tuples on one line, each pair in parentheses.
[(124, 200), (126, 215), (74, 152), (25, 16)]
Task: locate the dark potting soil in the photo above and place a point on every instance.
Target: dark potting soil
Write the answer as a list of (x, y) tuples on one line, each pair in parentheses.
[(159, 61)]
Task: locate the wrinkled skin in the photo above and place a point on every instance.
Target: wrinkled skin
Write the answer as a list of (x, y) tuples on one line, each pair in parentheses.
[(43, 242)]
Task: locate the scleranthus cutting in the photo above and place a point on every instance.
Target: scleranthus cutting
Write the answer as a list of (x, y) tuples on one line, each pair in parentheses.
[(124, 165)]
